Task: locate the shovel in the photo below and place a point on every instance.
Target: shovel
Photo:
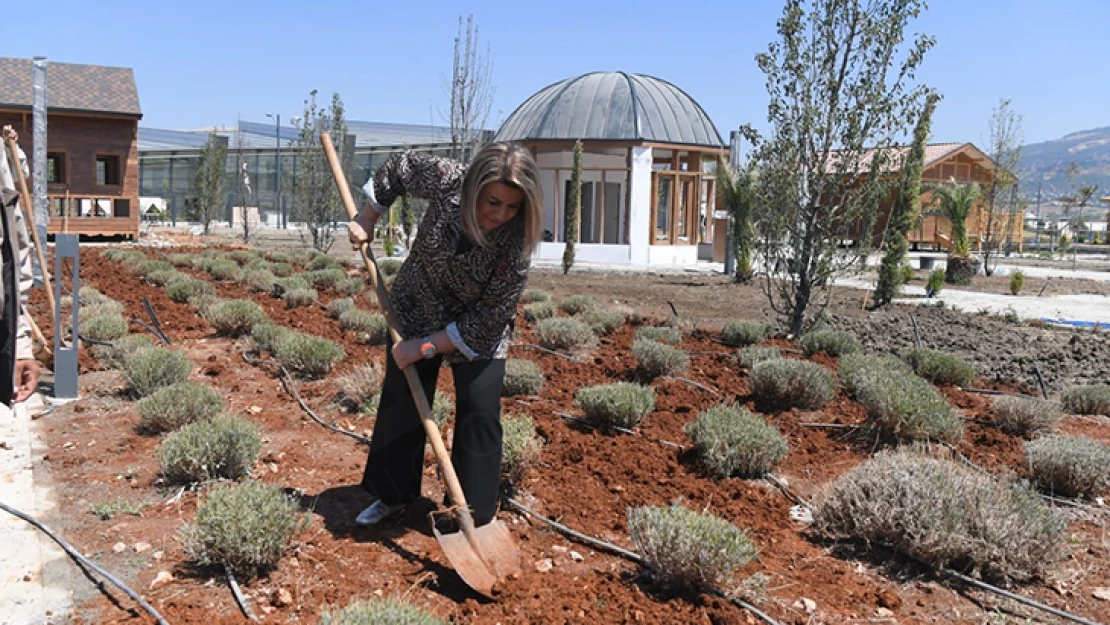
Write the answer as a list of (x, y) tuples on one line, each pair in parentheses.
[(481, 556)]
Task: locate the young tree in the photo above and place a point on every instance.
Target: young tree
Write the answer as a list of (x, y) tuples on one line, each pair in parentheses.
[(737, 189), (956, 201), (243, 191), (471, 92), (1005, 150), (907, 205), (209, 181), (574, 209), (839, 81), (315, 199)]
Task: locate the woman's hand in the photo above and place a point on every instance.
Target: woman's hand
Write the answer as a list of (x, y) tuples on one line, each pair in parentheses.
[(361, 229), (407, 352)]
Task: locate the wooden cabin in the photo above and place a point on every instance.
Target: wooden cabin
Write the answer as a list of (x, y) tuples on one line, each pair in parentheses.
[(964, 163), (92, 156)]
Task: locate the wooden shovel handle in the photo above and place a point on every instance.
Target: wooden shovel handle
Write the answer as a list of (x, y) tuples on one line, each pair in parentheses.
[(29, 214), (466, 521)]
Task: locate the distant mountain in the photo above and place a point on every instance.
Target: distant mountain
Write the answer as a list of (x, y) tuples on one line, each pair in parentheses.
[(1046, 163)]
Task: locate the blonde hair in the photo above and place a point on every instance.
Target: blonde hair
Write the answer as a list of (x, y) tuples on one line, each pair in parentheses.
[(510, 164)]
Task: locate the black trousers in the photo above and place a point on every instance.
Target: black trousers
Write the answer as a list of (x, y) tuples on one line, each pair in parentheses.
[(395, 464)]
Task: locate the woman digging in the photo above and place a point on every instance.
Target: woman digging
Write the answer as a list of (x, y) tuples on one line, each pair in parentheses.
[(456, 296)]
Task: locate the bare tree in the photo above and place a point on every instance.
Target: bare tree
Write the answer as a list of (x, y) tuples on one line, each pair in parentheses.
[(471, 92), (1005, 150), (841, 94), (244, 191), (209, 182)]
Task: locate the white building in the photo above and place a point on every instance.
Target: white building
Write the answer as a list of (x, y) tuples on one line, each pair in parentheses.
[(649, 155)]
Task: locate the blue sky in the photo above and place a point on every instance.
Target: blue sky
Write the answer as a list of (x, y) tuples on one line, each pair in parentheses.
[(200, 63)]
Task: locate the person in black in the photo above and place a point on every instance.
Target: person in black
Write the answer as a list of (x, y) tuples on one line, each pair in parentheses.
[(456, 296), (19, 372)]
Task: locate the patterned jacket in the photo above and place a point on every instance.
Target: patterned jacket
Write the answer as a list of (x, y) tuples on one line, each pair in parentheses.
[(15, 274), (447, 282)]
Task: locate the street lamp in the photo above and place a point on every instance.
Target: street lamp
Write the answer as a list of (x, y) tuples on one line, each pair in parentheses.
[(277, 175)]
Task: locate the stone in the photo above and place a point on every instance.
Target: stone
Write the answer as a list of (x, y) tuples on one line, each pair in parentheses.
[(281, 598), (141, 547), (544, 565), (163, 578), (577, 557), (1102, 593), (884, 613), (809, 605), (119, 547)]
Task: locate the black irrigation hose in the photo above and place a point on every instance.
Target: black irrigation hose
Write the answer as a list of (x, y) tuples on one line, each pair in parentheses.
[(624, 553), (154, 320), (156, 334), (76, 555), (287, 379), (550, 351), (95, 341)]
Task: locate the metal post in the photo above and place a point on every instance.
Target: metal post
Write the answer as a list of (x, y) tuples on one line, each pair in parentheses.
[(39, 202), (65, 358), (733, 164)]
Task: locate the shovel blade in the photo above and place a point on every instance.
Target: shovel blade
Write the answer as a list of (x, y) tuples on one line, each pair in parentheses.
[(497, 560)]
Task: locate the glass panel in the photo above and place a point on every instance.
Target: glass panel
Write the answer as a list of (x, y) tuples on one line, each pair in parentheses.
[(663, 208), (680, 209)]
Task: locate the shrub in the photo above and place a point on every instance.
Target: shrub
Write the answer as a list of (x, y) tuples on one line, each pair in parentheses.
[(832, 342), (248, 526), (659, 333), (104, 327), (361, 386), (520, 448), (522, 377), (935, 283), (164, 277), (657, 359), (350, 286), (289, 283), (907, 407), (325, 278), (1074, 466), (389, 266), (114, 355), (731, 440), (792, 384), (321, 262), (267, 335), (372, 326), (1092, 399), (753, 355), (442, 406), (1024, 416), (539, 310), (307, 354), (181, 291), (1017, 282), (939, 367), (907, 274), (224, 446), (235, 317), (624, 404), (387, 611), (260, 280), (563, 333), (177, 405), (281, 269), (578, 304), (744, 333), (89, 296), (180, 260), (299, 298), (853, 369), (340, 305), (244, 257), (941, 512), (689, 550), (147, 267), (102, 307), (531, 296), (225, 270), (151, 368), (603, 322)]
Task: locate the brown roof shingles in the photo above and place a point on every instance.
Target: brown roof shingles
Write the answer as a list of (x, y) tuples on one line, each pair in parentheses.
[(71, 87)]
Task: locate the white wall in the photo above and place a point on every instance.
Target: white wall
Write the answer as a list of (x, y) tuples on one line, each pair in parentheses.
[(586, 252), (565, 159), (640, 206), (672, 254)]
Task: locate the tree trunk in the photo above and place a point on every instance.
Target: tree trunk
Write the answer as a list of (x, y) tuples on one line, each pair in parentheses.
[(961, 269)]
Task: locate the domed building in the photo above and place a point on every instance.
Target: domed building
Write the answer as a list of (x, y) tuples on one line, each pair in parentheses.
[(649, 154)]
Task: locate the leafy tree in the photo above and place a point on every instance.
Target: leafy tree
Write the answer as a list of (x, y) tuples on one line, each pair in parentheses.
[(315, 199), (209, 181), (956, 201), (737, 189), (903, 214), (574, 209), (840, 90)]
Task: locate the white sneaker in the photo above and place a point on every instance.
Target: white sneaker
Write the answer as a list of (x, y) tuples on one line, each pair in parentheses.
[(378, 512)]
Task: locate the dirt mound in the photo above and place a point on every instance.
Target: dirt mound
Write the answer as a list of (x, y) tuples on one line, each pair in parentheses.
[(1001, 351)]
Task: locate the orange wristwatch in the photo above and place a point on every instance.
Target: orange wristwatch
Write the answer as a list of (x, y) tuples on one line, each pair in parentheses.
[(428, 348)]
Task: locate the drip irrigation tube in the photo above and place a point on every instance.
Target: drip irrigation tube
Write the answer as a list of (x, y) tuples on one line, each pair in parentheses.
[(76, 555)]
